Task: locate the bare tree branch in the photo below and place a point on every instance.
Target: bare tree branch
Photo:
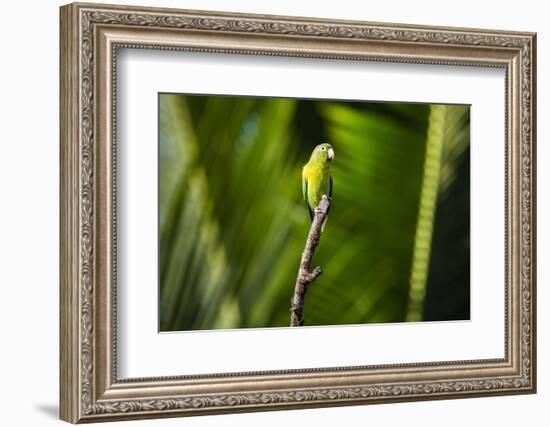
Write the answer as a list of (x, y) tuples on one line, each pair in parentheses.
[(305, 276)]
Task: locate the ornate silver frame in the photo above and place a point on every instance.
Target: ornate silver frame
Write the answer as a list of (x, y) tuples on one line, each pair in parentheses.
[(90, 36)]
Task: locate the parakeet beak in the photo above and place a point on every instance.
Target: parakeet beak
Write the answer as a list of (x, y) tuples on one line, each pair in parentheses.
[(330, 154)]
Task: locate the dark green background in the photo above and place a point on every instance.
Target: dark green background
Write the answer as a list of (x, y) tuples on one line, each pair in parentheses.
[(233, 222)]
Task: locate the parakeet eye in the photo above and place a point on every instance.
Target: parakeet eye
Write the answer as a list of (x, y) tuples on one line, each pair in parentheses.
[(323, 148)]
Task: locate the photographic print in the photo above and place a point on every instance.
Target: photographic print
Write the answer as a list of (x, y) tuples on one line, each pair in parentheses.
[(241, 184)]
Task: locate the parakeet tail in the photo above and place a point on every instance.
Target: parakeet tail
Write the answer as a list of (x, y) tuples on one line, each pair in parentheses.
[(324, 223)]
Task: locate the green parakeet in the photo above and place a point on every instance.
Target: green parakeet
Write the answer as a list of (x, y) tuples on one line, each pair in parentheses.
[(316, 177)]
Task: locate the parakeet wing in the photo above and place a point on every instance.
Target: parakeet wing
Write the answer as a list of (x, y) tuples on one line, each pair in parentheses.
[(304, 191)]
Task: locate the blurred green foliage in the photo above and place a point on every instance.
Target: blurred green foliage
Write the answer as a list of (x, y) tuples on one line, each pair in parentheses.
[(233, 223)]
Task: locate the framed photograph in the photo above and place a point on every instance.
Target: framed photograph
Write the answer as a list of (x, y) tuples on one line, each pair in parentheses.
[(266, 212)]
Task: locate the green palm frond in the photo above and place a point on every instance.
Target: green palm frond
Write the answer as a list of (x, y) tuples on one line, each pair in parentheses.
[(447, 138)]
